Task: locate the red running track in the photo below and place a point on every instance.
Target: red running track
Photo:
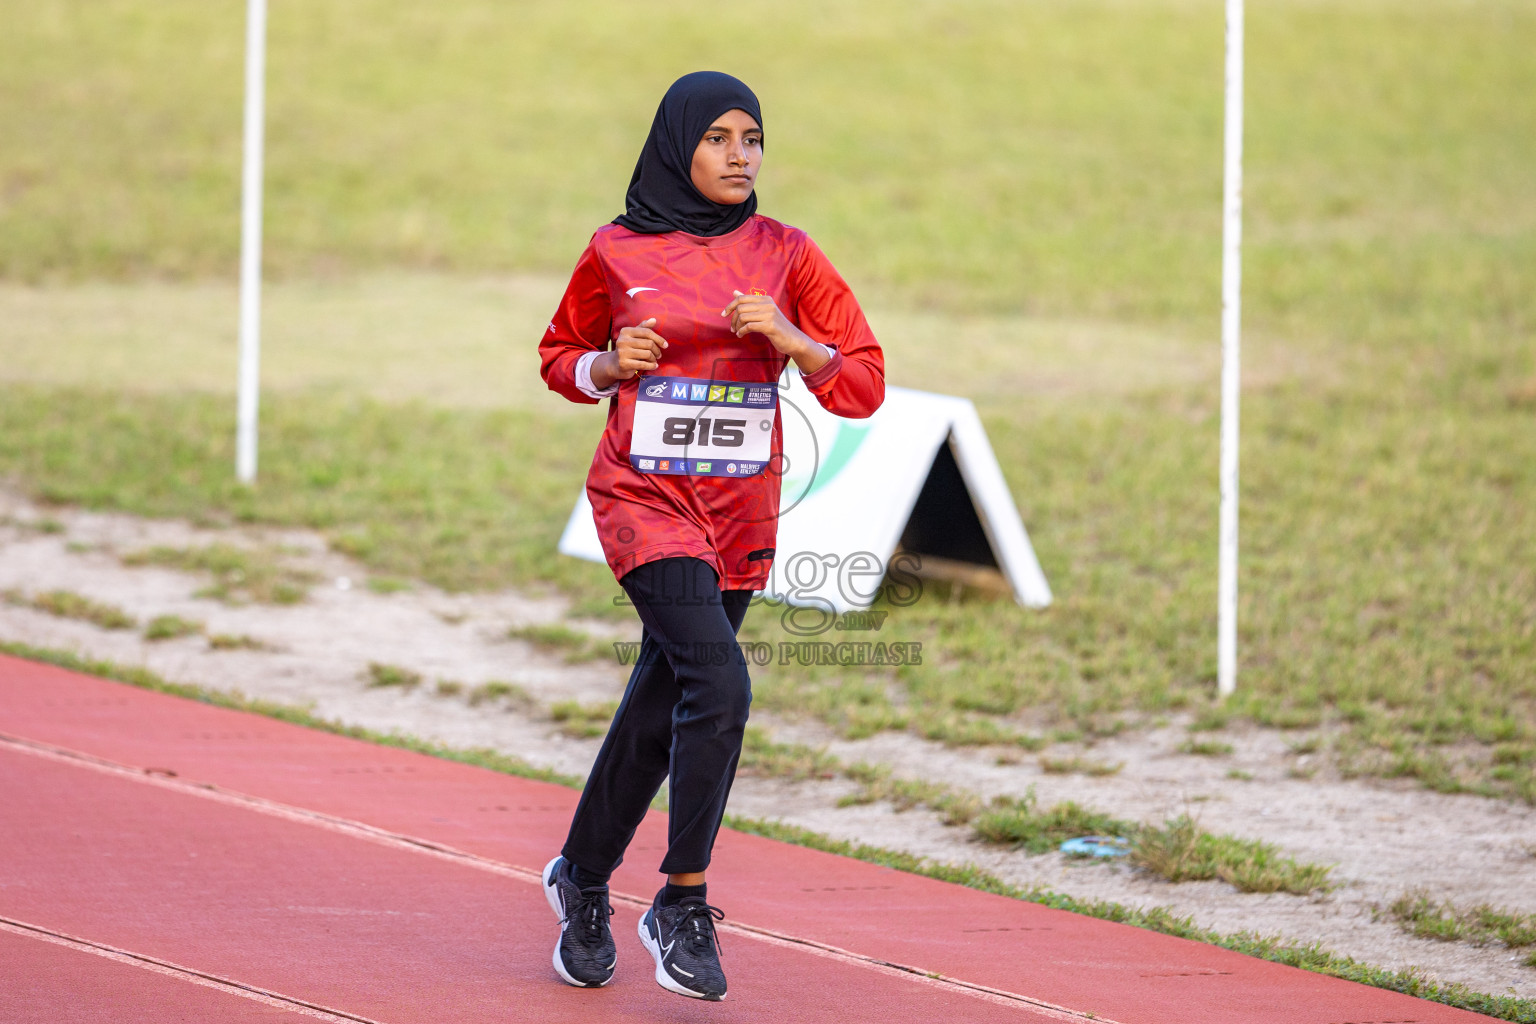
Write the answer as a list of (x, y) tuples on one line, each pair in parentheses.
[(166, 860)]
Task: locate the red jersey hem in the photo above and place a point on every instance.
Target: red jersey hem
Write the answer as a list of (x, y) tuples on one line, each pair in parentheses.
[(628, 562), (633, 560)]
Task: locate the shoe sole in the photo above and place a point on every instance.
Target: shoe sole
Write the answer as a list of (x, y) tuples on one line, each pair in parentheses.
[(665, 980), (552, 894)]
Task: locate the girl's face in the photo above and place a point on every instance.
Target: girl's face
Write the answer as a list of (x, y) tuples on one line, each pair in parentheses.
[(727, 159)]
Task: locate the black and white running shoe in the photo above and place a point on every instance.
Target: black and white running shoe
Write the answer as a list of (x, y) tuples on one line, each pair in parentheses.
[(585, 954), (681, 939)]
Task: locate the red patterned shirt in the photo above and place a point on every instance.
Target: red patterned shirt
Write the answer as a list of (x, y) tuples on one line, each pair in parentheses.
[(689, 508)]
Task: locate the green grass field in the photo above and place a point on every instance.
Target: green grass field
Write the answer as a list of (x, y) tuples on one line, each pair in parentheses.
[(1026, 195)]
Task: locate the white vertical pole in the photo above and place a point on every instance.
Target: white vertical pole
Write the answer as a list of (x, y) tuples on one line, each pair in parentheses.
[(250, 239), (1231, 321)]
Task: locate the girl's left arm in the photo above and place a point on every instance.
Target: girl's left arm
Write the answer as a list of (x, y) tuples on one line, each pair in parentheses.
[(852, 382)]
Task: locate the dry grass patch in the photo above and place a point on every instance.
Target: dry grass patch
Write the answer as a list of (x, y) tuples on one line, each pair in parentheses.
[(239, 574), (583, 721), (66, 604), (1420, 914), (1205, 748), (793, 762), (573, 644), (497, 692), (1181, 851), (171, 627), (237, 642), (1079, 766), (381, 674)]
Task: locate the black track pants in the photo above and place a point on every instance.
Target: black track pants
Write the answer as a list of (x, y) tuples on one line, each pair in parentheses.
[(682, 716)]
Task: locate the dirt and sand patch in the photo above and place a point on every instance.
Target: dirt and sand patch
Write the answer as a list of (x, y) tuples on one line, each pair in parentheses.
[(476, 675)]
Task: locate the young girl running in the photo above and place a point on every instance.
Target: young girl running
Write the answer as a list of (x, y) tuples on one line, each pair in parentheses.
[(684, 312)]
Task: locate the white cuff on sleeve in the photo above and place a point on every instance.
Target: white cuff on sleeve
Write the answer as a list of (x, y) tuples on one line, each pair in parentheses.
[(584, 378)]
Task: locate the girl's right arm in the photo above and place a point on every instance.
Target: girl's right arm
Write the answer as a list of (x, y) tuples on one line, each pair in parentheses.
[(581, 327)]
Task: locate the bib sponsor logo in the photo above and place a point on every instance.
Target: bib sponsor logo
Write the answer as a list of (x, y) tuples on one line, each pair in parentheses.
[(735, 395), (760, 396), (730, 467), (679, 390), (665, 464), (700, 392), (656, 390), (703, 467), (647, 463)]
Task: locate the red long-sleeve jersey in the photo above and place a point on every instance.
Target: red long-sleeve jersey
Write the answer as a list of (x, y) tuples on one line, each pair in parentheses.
[(698, 473)]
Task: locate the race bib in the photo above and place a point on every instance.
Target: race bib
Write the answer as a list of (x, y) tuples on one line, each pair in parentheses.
[(693, 427)]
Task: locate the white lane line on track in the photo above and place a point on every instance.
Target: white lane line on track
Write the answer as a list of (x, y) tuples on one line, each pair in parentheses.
[(413, 844), (181, 973)]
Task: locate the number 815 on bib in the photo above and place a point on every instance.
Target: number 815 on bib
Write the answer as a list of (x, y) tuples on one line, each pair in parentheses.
[(702, 428)]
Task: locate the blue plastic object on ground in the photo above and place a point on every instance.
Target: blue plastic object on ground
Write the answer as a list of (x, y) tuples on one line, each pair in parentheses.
[(1097, 846)]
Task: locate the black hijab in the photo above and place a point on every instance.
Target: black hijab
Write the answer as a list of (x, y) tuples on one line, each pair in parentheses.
[(661, 195)]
